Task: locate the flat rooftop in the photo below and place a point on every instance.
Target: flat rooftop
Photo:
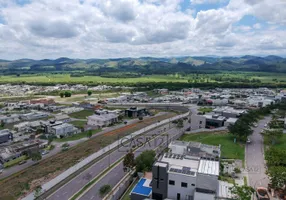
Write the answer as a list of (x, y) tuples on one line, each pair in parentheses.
[(209, 167), (143, 187), (223, 190)]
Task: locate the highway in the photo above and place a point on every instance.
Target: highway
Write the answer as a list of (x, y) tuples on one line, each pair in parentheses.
[(116, 174), (72, 187)]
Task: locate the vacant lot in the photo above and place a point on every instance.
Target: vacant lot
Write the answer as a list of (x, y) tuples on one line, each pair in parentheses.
[(24, 181), (82, 114), (76, 136), (228, 148), (79, 124)]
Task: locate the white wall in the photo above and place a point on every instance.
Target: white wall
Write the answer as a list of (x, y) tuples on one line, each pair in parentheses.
[(195, 122), (174, 189), (203, 196)]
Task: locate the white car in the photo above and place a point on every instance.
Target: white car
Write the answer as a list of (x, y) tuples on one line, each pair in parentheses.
[(248, 141)]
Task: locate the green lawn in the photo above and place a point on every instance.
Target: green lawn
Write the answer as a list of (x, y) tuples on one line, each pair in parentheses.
[(282, 143), (82, 114), (79, 124), (76, 136), (205, 109), (15, 161), (229, 149)]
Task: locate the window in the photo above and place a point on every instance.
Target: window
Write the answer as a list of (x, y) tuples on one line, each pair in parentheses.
[(184, 184), (201, 122), (193, 184), (171, 182)]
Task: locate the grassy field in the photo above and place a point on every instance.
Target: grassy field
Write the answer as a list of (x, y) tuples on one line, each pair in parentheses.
[(15, 161), (76, 136), (65, 78), (282, 143), (228, 148), (82, 114), (205, 109), (78, 124), (26, 180)]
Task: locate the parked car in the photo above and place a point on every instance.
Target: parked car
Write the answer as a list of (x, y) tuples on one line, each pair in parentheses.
[(255, 124), (22, 162), (262, 194), (45, 152), (248, 141)]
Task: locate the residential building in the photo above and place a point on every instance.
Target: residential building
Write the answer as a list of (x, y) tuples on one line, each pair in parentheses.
[(229, 112), (197, 122), (70, 110), (135, 112), (102, 120), (62, 117), (188, 172), (10, 118), (214, 121), (63, 130), (34, 116), (6, 136)]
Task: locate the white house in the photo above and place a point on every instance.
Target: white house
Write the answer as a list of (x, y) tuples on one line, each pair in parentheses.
[(102, 120), (63, 130)]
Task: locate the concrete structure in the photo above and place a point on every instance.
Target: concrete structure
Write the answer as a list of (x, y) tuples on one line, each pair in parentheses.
[(62, 117), (197, 122), (214, 121), (229, 112), (6, 136), (189, 172), (34, 116), (102, 120), (70, 110), (63, 130), (135, 112), (10, 119), (230, 121)]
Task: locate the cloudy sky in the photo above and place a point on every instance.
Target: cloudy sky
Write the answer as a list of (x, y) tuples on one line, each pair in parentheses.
[(133, 28)]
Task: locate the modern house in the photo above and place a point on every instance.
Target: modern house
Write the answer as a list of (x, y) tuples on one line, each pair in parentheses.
[(6, 136), (63, 130), (188, 172), (10, 119), (62, 117), (135, 112), (34, 116), (214, 121), (197, 122), (229, 112), (102, 120)]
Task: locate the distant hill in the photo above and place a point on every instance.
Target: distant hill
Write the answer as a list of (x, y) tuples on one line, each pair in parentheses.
[(146, 65)]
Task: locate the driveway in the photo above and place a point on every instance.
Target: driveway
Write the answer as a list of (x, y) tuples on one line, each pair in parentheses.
[(255, 163)]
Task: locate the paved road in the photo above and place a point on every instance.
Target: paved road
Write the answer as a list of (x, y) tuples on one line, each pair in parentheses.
[(117, 173), (254, 157), (69, 189)]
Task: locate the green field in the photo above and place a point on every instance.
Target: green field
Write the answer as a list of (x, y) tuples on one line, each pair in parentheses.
[(82, 114), (198, 78), (229, 149), (79, 124)]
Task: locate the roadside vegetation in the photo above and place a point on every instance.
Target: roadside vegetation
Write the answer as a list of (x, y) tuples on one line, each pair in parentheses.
[(15, 185), (85, 134)]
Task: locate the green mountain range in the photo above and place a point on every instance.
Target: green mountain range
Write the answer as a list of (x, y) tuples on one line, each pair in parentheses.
[(146, 65)]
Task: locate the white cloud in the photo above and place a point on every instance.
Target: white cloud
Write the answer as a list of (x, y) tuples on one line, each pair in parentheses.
[(121, 28), (195, 2)]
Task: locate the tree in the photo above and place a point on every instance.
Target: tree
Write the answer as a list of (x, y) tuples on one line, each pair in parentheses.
[(36, 156), (180, 123), (129, 161), (2, 124), (89, 133), (277, 176), (145, 160), (243, 192), (50, 140), (62, 95), (104, 190), (38, 191), (240, 129), (68, 94), (89, 93)]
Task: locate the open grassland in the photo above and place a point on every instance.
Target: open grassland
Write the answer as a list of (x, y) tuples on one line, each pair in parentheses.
[(229, 149), (216, 77), (26, 180)]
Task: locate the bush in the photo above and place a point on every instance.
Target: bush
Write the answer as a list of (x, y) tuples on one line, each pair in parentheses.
[(104, 190), (237, 170)]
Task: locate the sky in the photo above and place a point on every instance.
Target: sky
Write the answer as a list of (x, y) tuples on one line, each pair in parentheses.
[(40, 29)]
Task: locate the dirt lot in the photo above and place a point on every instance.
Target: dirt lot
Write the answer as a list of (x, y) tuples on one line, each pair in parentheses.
[(25, 181)]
